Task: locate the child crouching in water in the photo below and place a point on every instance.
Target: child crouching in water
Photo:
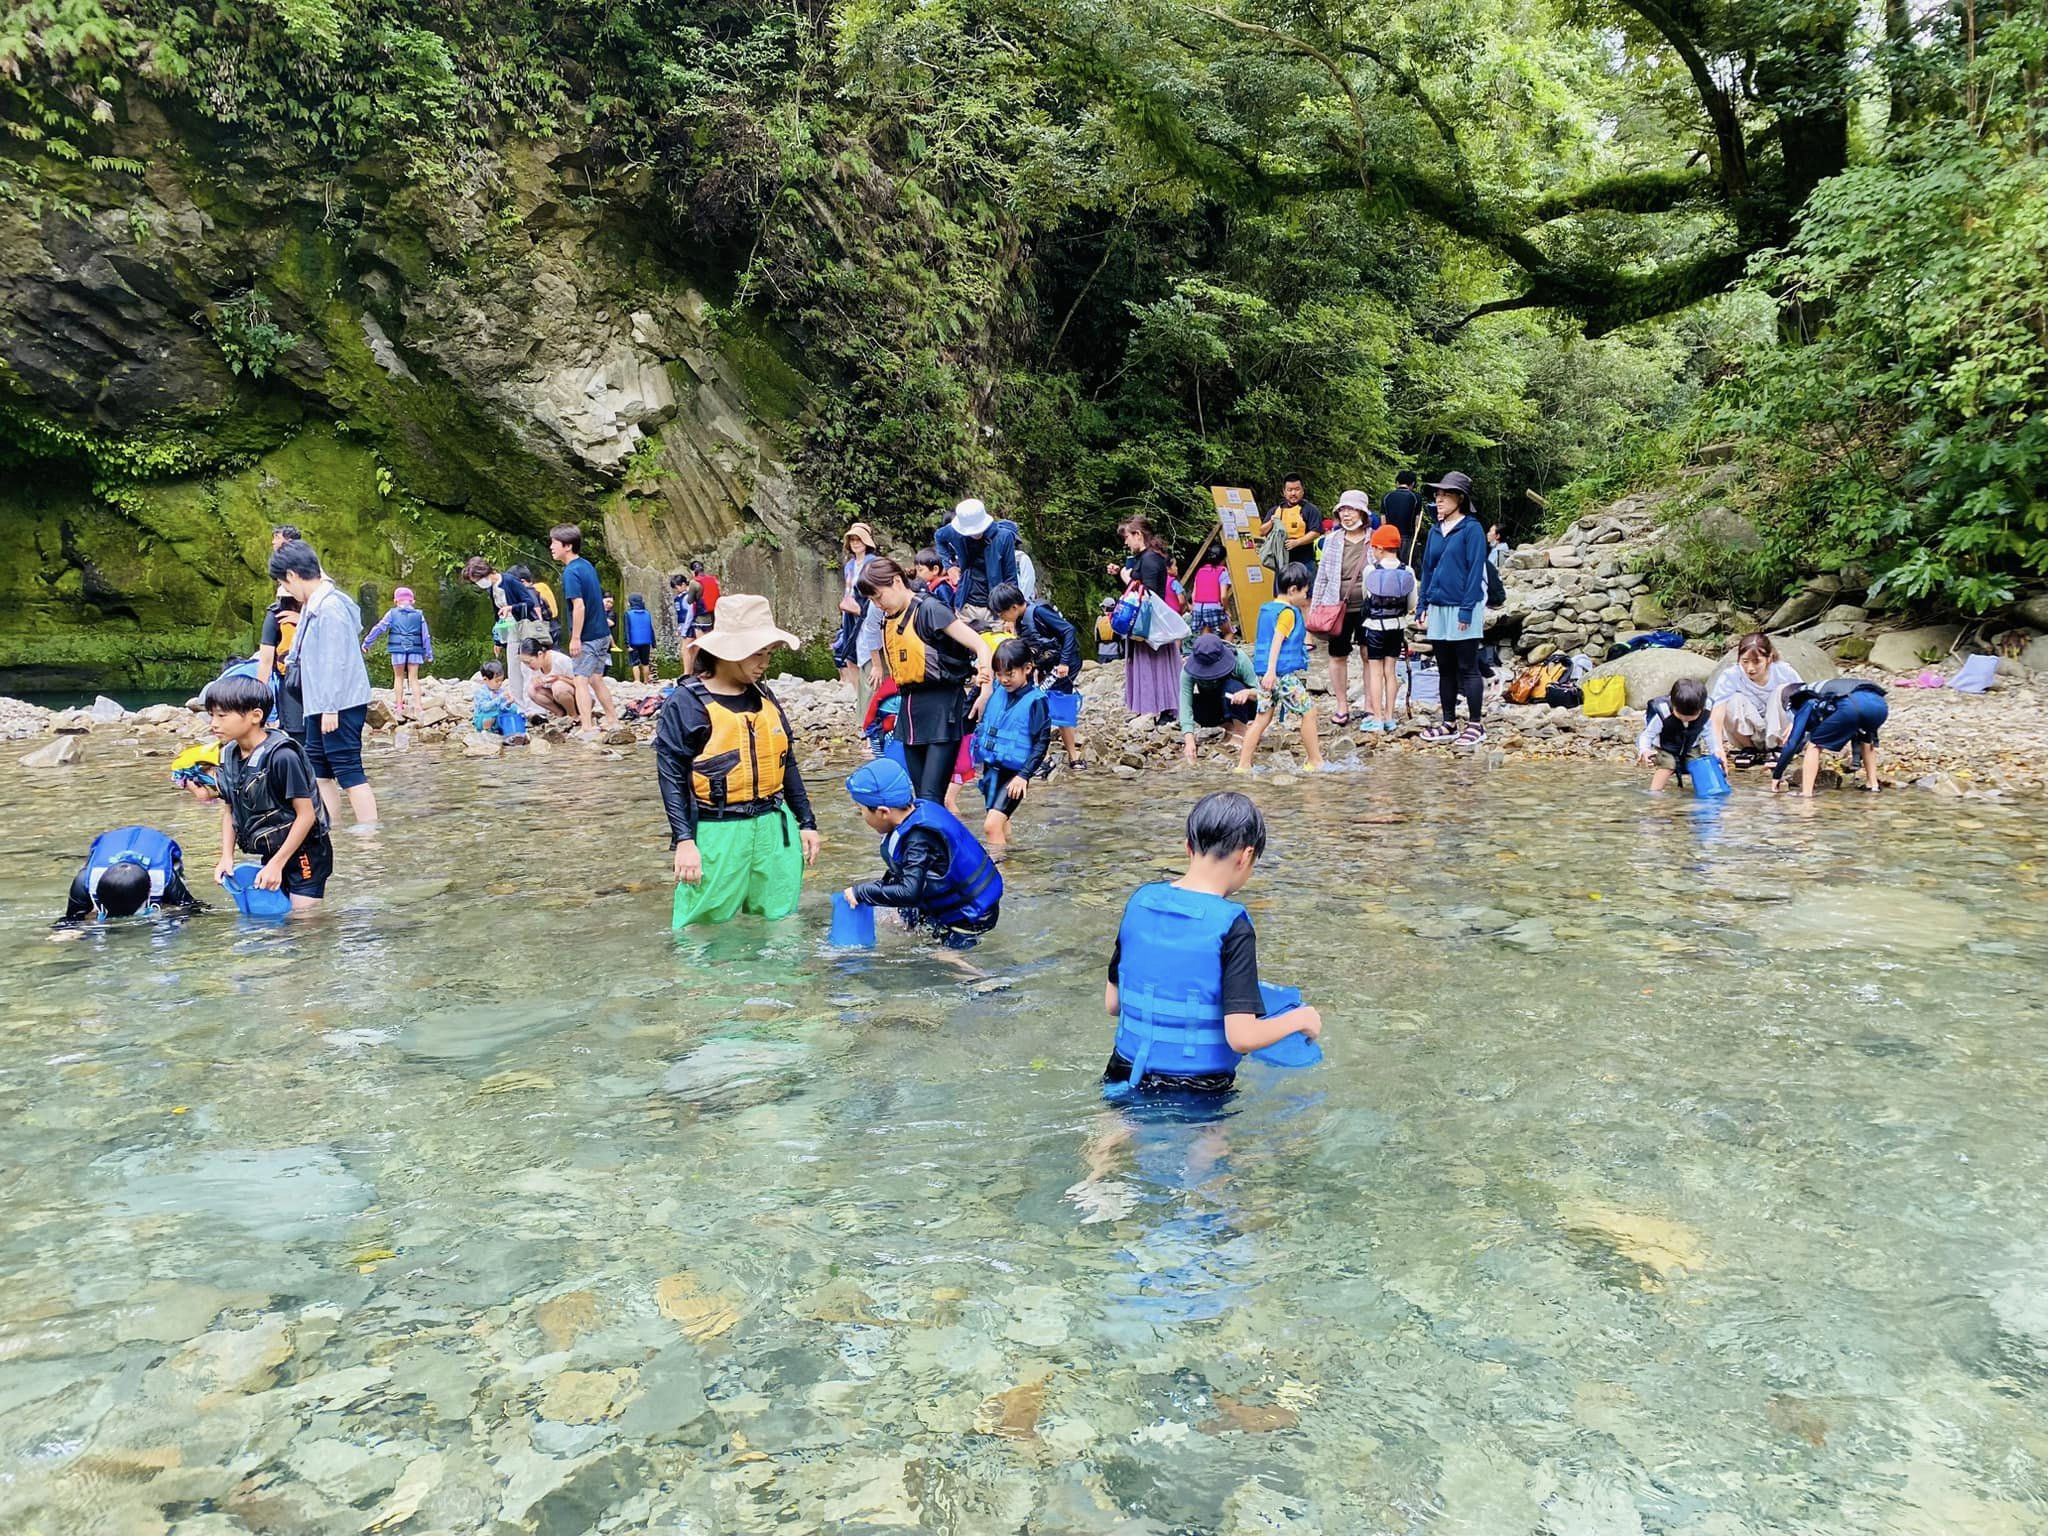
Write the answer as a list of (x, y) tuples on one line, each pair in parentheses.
[(1677, 732), (491, 707), (1011, 742), (1184, 976), (268, 804), (937, 875)]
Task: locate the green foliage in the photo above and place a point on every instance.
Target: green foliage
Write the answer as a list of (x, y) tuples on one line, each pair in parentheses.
[(247, 337), (1911, 433)]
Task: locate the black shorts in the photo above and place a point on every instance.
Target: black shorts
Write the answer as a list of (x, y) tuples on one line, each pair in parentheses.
[(1342, 642), (1382, 644), (306, 871), (992, 782), (640, 655)]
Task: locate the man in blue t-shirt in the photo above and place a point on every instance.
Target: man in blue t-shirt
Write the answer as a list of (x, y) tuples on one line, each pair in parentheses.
[(583, 621)]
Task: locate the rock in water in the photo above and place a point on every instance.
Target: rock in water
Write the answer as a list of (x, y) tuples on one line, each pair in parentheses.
[(60, 753), (476, 744), (105, 710)]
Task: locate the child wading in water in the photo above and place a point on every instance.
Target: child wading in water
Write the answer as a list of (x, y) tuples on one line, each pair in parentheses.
[(737, 811), (937, 875), (1280, 657), (1011, 742), (1184, 976), (411, 646), (268, 804)]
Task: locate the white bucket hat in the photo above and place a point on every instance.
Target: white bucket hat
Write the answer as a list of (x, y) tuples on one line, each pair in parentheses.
[(971, 518)]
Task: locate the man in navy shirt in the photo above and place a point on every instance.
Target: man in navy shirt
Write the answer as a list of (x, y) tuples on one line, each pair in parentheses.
[(583, 621)]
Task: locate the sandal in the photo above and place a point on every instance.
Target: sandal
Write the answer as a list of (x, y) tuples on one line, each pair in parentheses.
[(1440, 732), (1338, 722), (1472, 735)]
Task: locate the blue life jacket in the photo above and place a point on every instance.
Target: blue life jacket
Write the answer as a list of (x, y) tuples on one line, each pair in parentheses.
[(639, 627), (1169, 983), (971, 886), (407, 633), (1003, 739), (1293, 650), (146, 846)]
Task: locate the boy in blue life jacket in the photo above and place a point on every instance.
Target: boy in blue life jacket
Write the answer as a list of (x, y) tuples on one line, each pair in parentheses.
[(129, 872), (1011, 742), (938, 876), (1280, 658), (1055, 655), (930, 578), (1843, 713), (639, 638), (1184, 976)]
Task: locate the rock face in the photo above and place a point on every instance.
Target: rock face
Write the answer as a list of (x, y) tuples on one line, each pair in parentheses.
[(466, 366), (1651, 673)]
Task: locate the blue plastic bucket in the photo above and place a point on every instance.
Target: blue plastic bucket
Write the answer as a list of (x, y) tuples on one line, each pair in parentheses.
[(1708, 781), (1065, 708), (852, 927), (1295, 1050), (250, 899)]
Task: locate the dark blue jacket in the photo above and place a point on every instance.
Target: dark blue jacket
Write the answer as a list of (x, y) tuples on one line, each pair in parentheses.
[(1454, 569), (998, 559), (1053, 641)]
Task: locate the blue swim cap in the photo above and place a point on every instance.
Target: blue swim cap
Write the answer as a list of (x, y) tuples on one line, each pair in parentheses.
[(879, 783)]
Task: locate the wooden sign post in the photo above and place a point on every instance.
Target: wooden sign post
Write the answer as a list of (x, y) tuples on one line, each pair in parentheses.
[(1242, 531)]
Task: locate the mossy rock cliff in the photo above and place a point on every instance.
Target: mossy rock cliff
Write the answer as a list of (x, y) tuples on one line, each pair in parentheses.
[(410, 375)]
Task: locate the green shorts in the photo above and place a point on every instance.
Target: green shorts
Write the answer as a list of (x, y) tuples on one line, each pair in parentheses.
[(754, 865), (1289, 700)]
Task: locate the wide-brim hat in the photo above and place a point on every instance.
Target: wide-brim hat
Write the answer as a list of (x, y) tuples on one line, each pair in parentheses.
[(743, 625), (1211, 658), (1457, 480), (859, 531), (1356, 500), (972, 518)]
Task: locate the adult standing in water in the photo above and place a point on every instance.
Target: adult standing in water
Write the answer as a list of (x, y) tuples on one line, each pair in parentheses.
[(334, 682), (1151, 677), (589, 632), (1341, 569), (980, 554), (1453, 606), (931, 653)]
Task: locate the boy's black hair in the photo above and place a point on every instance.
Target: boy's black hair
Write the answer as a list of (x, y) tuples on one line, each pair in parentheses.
[(1295, 575), (1006, 596), (123, 890), (289, 532), (569, 534), (295, 559), (680, 579), (929, 556), (1222, 823), (534, 647), (1012, 653), (491, 669), (1406, 477), (236, 696), (1688, 696), (521, 573)]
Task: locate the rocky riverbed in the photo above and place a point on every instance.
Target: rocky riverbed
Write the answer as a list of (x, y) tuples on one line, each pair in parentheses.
[(1993, 744)]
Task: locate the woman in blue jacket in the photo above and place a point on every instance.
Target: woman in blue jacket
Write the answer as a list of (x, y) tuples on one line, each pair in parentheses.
[(1452, 602)]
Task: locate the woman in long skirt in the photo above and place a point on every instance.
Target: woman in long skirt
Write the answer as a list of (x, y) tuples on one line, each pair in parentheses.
[(1151, 677)]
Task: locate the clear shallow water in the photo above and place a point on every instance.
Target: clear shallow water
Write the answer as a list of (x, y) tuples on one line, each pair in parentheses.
[(1715, 1205)]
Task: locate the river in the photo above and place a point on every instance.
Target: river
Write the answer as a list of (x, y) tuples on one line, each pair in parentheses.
[(1675, 1168)]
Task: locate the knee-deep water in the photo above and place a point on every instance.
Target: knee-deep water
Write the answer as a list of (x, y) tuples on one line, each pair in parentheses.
[(1675, 1168)]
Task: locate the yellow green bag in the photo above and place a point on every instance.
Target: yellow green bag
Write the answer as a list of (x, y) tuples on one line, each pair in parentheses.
[(1604, 696)]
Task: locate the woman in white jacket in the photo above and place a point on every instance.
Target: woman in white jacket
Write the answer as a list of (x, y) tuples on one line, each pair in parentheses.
[(1743, 702)]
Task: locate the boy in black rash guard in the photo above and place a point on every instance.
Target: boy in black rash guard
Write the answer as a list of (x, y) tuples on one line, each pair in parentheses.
[(937, 875), (268, 804)]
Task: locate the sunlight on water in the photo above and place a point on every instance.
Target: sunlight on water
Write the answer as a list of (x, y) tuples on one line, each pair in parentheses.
[(1675, 1169)]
